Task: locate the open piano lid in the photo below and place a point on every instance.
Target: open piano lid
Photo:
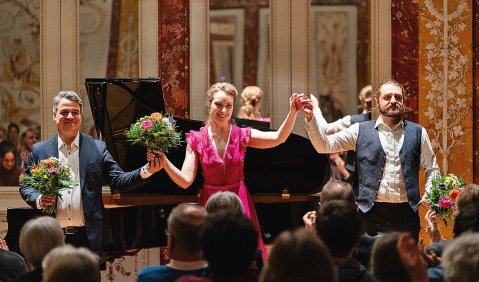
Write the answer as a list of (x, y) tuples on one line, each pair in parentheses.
[(117, 103)]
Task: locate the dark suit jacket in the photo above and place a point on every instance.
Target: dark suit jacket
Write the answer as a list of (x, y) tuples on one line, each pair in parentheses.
[(96, 166), (12, 265)]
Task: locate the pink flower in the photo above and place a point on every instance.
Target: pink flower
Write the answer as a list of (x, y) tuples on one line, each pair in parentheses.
[(52, 169), (147, 124), (445, 202)]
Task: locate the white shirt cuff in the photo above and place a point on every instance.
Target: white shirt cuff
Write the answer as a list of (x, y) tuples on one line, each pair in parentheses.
[(38, 202), (144, 173)]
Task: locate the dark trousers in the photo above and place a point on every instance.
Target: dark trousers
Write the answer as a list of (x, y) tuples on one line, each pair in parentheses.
[(386, 217), (77, 239)]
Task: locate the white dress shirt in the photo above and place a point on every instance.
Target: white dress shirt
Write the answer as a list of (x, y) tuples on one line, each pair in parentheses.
[(391, 188), (69, 210)]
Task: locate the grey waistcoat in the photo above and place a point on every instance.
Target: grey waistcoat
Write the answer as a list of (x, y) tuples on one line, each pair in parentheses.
[(371, 159)]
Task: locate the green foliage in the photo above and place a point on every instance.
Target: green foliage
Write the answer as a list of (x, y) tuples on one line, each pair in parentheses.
[(155, 132)]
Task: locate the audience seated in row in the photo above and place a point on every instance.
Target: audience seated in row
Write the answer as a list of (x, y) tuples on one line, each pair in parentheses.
[(340, 226), (299, 256), (67, 263), (339, 190), (37, 238), (184, 246), (12, 264)]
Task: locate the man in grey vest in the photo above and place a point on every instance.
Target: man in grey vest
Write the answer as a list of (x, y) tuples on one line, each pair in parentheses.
[(389, 154)]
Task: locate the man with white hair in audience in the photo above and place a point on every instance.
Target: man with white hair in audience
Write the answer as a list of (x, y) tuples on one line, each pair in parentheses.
[(37, 237), (67, 263)]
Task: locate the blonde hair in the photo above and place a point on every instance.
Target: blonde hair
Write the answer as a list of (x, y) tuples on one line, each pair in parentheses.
[(365, 97), (67, 263), (226, 87), (38, 236), (250, 97)]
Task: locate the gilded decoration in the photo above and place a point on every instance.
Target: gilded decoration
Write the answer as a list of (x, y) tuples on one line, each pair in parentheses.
[(19, 62), (445, 75)]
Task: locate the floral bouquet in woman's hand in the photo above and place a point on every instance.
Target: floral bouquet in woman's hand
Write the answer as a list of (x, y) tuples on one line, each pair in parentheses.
[(155, 132), (442, 197), (50, 176)]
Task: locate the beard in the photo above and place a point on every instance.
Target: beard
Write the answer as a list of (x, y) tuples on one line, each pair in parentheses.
[(396, 112)]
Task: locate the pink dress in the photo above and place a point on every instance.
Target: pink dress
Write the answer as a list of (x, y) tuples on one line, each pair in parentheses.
[(225, 174)]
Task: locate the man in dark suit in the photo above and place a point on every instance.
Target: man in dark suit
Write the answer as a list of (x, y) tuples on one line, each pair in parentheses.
[(80, 211)]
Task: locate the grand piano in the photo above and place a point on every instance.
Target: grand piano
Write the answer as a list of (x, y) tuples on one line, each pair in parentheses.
[(281, 180)]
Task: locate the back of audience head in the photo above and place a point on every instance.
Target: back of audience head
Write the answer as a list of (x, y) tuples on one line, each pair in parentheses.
[(337, 190), (185, 223), (224, 200), (229, 241), (466, 220), (386, 264), (340, 226), (461, 259), (67, 263), (37, 237), (468, 195), (250, 100), (298, 256), (365, 98)]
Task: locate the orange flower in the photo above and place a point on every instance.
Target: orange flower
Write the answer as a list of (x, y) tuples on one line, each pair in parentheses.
[(453, 194), (156, 116), (48, 162)]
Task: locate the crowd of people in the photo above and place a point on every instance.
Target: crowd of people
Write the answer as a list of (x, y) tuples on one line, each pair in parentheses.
[(14, 151), (365, 232)]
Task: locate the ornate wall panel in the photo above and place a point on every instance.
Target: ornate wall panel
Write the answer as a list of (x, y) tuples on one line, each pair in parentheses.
[(445, 77), (405, 52), (173, 53), (19, 62), (475, 83)]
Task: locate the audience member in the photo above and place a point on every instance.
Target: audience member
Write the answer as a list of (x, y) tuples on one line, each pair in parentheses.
[(229, 201), (298, 256), (3, 133), (9, 171), (12, 264), (339, 190), (386, 264), (229, 241), (37, 237), (184, 246), (13, 133), (340, 226), (461, 259), (27, 139), (224, 200), (251, 103), (67, 263), (411, 259)]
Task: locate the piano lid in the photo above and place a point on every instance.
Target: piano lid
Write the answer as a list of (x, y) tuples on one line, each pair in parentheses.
[(116, 103)]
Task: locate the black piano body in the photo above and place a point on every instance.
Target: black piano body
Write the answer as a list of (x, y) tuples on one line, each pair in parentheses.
[(281, 180)]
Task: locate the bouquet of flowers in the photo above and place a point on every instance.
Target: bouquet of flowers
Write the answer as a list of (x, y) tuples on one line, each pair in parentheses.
[(50, 176), (442, 197), (155, 132)]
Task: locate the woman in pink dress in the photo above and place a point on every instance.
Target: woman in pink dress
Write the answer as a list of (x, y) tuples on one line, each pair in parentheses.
[(220, 148)]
